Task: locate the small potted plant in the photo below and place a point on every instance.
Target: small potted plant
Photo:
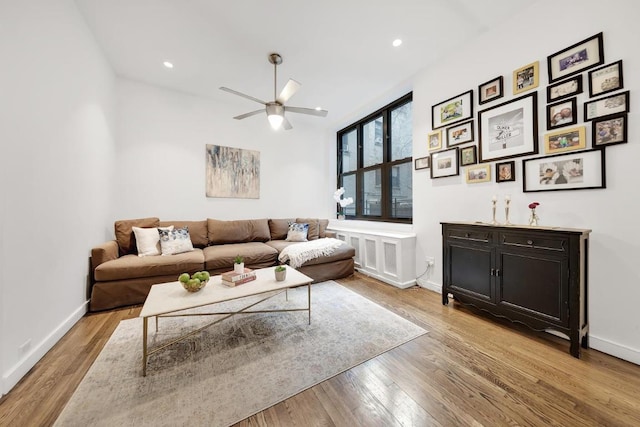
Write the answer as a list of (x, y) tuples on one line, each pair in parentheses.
[(281, 273), (238, 264)]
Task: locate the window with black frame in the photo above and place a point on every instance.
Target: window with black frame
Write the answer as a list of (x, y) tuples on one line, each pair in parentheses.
[(375, 164)]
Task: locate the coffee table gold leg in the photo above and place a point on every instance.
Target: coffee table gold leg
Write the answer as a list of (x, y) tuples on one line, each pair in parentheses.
[(156, 324), (144, 345), (309, 301)]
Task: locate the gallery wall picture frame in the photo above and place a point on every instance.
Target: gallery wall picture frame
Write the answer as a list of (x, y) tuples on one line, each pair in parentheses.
[(452, 110), (506, 171), (434, 140), (445, 163), (609, 130), (509, 129), (565, 89), (572, 60), (563, 113), (478, 173), (601, 107), (526, 78), (468, 156), (581, 170), (460, 133), (566, 139), (605, 79), (491, 90), (423, 163)]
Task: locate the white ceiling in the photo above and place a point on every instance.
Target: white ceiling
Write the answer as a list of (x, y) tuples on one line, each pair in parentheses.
[(339, 50)]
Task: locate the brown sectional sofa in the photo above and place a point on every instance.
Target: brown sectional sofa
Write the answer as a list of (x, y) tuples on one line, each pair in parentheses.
[(120, 277)]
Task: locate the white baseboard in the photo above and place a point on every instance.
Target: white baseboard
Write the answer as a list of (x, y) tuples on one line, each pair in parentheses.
[(436, 287), (614, 349), (15, 374)]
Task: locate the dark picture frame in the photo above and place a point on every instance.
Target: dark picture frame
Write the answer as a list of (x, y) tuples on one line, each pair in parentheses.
[(609, 130), (460, 133), (581, 170), (576, 58), (565, 89), (445, 163), (422, 163), (509, 129), (605, 79), (563, 113), (506, 171), (468, 155), (491, 90), (452, 110), (602, 107)]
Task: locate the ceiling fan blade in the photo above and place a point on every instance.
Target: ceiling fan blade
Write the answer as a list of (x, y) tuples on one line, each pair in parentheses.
[(288, 91), (235, 92), (245, 115), (310, 111), (286, 125)]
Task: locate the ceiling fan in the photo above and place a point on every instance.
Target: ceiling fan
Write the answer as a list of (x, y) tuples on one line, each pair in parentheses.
[(275, 109)]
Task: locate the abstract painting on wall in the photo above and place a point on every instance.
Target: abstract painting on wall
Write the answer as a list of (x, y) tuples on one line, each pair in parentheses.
[(232, 172)]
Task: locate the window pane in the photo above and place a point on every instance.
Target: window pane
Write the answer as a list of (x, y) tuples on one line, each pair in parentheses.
[(401, 132), (372, 142), (349, 146), (401, 191), (349, 184), (371, 192)]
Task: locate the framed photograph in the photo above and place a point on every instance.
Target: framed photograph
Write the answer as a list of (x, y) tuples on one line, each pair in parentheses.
[(493, 89), (423, 163), (453, 110), (561, 114), (434, 140), (609, 130), (509, 129), (526, 78), (576, 58), (460, 134), (573, 171), (570, 139), (445, 163), (564, 89), (506, 171), (606, 106), (468, 156), (478, 173), (605, 79)]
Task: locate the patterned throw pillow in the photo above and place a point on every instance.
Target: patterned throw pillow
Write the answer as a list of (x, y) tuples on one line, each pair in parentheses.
[(297, 232), (175, 241)]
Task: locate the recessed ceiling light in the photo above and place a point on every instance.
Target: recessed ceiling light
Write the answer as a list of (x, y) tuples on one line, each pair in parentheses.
[(167, 64), (397, 42)]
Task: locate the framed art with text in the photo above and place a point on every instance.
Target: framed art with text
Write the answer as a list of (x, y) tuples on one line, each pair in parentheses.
[(453, 110), (578, 57), (509, 129), (605, 79), (564, 89), (609, 130), (460, 134), (570, 171), (445, 163), (423, 163), (493, 89), (606, 106), (526, 78)]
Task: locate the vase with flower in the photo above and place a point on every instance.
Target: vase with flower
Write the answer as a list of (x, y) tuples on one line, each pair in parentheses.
[(342, 201), (533, 219)]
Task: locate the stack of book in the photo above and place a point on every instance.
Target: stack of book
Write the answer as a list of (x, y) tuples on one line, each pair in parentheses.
[(231, 278)]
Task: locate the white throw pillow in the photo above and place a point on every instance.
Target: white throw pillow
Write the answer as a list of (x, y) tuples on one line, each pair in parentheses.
[(175, 241), (148, 240)]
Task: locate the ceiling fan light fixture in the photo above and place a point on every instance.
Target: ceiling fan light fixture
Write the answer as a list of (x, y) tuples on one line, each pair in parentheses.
[(275, 114)]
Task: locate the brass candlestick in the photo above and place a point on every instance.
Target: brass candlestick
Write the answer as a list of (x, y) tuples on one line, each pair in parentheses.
[(494, 222), (507, 200)]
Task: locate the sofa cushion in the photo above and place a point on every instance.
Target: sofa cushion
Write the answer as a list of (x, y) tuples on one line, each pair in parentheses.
[(255, 254), (240, 231), (322, 224), (148, 240), (197, 231), (279, 228), (175, 241), (314, 227), (132, 266), (124, 234)]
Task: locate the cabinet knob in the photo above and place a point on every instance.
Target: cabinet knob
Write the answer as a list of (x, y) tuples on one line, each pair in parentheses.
[(529, 242), (467, 235)]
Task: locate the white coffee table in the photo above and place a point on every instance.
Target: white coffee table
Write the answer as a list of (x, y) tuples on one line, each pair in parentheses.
[(168, 299)]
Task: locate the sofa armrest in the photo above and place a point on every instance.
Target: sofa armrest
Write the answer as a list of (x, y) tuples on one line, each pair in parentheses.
[(330, 234), (103, 253)]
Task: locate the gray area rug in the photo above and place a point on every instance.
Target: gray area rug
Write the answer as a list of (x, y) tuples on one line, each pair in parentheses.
[(236, 368)]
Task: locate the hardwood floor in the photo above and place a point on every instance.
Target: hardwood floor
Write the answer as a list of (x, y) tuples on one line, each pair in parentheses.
[(468, 370)]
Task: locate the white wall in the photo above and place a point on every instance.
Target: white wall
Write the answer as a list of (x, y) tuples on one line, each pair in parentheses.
[(544, 29), (57, 156), (162, 135)]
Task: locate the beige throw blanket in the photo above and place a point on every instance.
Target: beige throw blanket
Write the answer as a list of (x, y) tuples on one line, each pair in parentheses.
[(302, 252)]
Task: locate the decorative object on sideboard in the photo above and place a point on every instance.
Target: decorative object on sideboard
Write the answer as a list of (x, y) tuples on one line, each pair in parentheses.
[(281, 273), (342, 201), (507, 201), (494, 202), (533, 219), (238, 264)]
